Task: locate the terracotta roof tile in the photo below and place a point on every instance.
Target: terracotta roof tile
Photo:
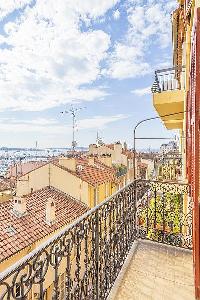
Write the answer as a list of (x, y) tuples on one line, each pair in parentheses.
[(32, 226), (97, 174)]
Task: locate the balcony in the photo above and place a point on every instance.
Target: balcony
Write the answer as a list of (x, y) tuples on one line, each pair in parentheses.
[(150, 219), (188, 6), (168, 167), (154, 272), (168, 96)]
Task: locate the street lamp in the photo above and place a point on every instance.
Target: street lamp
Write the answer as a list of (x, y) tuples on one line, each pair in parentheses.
[(143, 121)]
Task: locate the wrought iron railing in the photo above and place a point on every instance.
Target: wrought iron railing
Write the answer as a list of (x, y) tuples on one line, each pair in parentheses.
[(169, 172), (165, 79), (83, 261), (164, 214), (188, 5)]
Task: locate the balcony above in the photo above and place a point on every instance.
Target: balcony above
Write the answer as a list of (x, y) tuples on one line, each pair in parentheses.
[(168, 96)]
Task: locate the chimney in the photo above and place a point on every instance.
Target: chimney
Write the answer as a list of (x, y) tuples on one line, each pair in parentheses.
[(93, 149), (50, 211), (69, 163), (118, 147), (19, 206), (91, 161)]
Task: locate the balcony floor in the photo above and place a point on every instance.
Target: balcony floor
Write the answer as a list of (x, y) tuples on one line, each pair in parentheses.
[(156, 272)]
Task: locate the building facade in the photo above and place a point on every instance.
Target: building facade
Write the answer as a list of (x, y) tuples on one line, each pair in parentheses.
[(85, 179), (176, 97)]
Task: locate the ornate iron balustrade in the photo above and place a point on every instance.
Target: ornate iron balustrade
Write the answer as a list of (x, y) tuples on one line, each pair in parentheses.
[(165, 80), (168, 167), (188, 6), (169, 172), (83, 260), (164, 214)]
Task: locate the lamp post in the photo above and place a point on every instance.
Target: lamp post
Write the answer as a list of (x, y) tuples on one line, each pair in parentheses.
[(143, 121)]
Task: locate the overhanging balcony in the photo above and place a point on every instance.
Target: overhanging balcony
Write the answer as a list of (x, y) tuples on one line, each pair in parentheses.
[(168, 96), (86, 259)]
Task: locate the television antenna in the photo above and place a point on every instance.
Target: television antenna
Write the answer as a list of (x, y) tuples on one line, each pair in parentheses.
[(99, 140), (73, 112)]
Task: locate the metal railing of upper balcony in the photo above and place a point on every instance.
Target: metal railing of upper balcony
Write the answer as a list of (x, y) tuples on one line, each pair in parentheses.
[(168, 167), (188, 5), (165, 80), (89, 253)]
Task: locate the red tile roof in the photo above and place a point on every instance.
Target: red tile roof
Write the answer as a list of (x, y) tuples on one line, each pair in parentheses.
[(97, 174), (32, 226)]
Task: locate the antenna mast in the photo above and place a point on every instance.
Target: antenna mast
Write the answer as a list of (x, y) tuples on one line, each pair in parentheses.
[(73, 112)]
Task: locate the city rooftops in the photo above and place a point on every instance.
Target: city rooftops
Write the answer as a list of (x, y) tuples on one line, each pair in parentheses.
[(95, 174), (19, 232)]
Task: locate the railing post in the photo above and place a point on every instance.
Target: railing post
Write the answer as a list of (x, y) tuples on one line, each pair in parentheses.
[(155, 208), (135, 203), (163, 215), (55, 295), (97, 252)]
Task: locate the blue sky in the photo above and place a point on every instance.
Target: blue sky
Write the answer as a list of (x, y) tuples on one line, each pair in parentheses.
[(97, 54)]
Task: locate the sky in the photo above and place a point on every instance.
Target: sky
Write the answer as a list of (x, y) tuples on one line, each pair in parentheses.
[(98, 55)]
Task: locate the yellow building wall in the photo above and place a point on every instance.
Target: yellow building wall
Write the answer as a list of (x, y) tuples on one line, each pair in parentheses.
[(33, 181), (69, 184), (51, 175), (91, 196), (101, 193), (5, 196)]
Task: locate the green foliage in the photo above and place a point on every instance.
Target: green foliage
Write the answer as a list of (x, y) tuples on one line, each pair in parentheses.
[(163, 214), (121, 170)]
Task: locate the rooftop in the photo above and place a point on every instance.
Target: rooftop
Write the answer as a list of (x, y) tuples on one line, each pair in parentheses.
[(32, 226), (92, 174)]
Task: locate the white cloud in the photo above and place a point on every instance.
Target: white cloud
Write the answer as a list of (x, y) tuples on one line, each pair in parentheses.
[(48, 59), (53, 127), (142, 92), (99, 122), (116, 14), (8, 6), (148, 24)]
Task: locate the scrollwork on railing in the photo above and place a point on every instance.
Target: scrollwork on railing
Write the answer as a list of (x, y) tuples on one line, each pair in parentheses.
[(89, 253), (164, 214)]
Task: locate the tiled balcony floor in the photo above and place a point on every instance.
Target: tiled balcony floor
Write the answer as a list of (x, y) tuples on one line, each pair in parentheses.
[(157, 272)]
